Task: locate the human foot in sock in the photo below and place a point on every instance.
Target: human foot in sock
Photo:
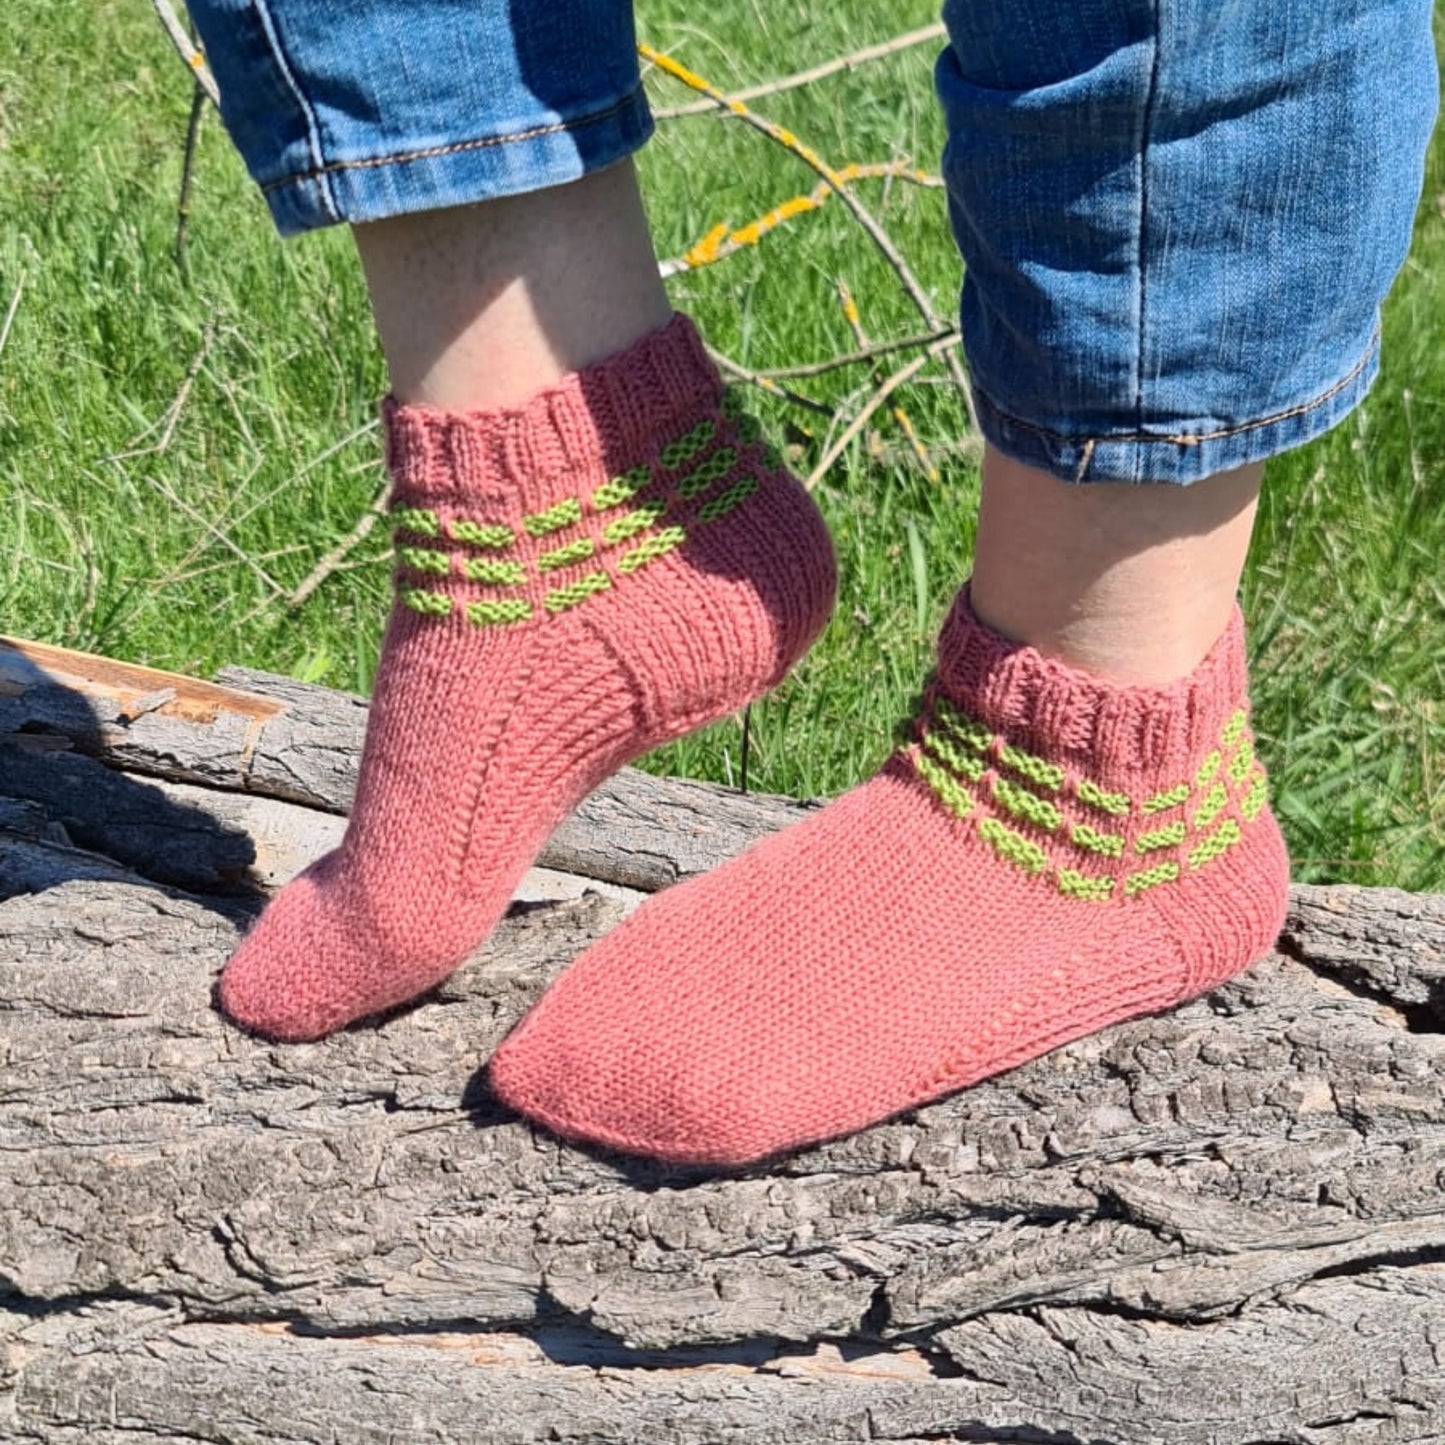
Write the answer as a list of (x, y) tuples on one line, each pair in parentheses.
[(1050, 854), (580, 580)]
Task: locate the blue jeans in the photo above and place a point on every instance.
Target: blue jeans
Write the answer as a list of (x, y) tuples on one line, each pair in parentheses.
[(1178, 218)]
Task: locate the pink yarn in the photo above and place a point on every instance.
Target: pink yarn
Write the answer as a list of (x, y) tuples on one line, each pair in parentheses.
[(581, 580), (1051, 854)]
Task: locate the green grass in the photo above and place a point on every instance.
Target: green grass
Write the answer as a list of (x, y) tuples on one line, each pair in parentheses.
[(157, 555)]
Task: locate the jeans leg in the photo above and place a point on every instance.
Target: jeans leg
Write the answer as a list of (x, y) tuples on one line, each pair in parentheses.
[(1179, 219), (352, 112)]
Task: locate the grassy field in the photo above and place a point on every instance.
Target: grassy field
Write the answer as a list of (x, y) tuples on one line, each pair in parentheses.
[(175, 456)]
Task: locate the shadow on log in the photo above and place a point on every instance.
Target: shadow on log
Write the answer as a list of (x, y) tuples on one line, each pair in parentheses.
[(1220, 1226)]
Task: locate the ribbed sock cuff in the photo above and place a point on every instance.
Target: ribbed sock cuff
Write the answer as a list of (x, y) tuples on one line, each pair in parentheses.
[(1121, 735), (602, 418)]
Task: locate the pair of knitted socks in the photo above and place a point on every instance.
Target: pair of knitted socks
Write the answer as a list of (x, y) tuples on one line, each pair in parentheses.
[(620, 562)]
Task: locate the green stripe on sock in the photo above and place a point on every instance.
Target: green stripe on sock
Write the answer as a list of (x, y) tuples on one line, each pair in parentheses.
[(497, 574), (1169, 799), (631, 523), (1110, 845), (655, 546), (432, 604), (416, 519), (480, 534), (577, 551), (1095, 796), (1081, 885), (621, 488), (1024, 804), (492, 612), (423, 559), (1011, 846), (563, 514), (724, 502), (561, 598), (951, 793), (1160, 838)]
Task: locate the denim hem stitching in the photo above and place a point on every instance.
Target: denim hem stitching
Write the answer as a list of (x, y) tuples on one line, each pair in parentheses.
[(479, 143), (1193, 439)]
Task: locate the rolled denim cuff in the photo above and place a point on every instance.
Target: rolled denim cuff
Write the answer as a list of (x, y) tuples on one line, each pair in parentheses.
[(1179, 457), (461, 172), (346, 112)]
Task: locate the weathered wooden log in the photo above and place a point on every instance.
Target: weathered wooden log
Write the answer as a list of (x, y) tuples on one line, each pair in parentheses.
[(1220, 1226)]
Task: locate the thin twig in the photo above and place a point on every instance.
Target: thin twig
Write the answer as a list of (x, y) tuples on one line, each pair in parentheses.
[(855, 358), (765, 383), (724, 241), (818, 72), (337, 555), (10, 311), (865, 218), (188, 166), (172, 415), (901, 417), (880, 396), (186, 49)]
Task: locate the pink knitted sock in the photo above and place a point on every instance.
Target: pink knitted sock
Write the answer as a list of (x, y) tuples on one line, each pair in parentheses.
[(1050, 855), (580, 580)]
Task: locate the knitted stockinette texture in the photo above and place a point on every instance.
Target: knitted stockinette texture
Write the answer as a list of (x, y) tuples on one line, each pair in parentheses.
[(1049, 854), (579, 580)]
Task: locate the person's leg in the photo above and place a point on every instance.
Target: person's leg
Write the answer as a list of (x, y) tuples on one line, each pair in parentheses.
[(1131, 584), (1178, 222), (484, 306), (595, 552)]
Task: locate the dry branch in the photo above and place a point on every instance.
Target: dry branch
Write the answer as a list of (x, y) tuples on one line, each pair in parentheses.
[(731, 105), (186, 49), (850, 61), (1215, 1226)]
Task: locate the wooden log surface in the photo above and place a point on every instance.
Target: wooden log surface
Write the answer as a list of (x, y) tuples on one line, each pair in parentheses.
[(1220, 1226)]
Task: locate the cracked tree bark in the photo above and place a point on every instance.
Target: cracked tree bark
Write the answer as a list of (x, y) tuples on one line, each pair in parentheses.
[(1220, 1226)]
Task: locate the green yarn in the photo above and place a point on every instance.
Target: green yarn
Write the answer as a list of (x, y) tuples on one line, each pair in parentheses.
[(497, 574), (498, 611), (423, 559), (1225, 836), (1207, 768), (621, 488), (1160, 838), (1080, 885), (432, 604), (554, 518), (1210, 808), (1108, 844), (1169, 799), (966, 765), (1036, 770), (1012, 847), (1254, 799), (687, 446), (1095, 796), (1233, 729), (416, 519), (577, 551), (953, 795), (1150, 878), (724, 502), (1241, 762), (655, 546), (1024, 804), (561, 598), (718, 465), (630, 523), (480, 534), (961, 726)]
